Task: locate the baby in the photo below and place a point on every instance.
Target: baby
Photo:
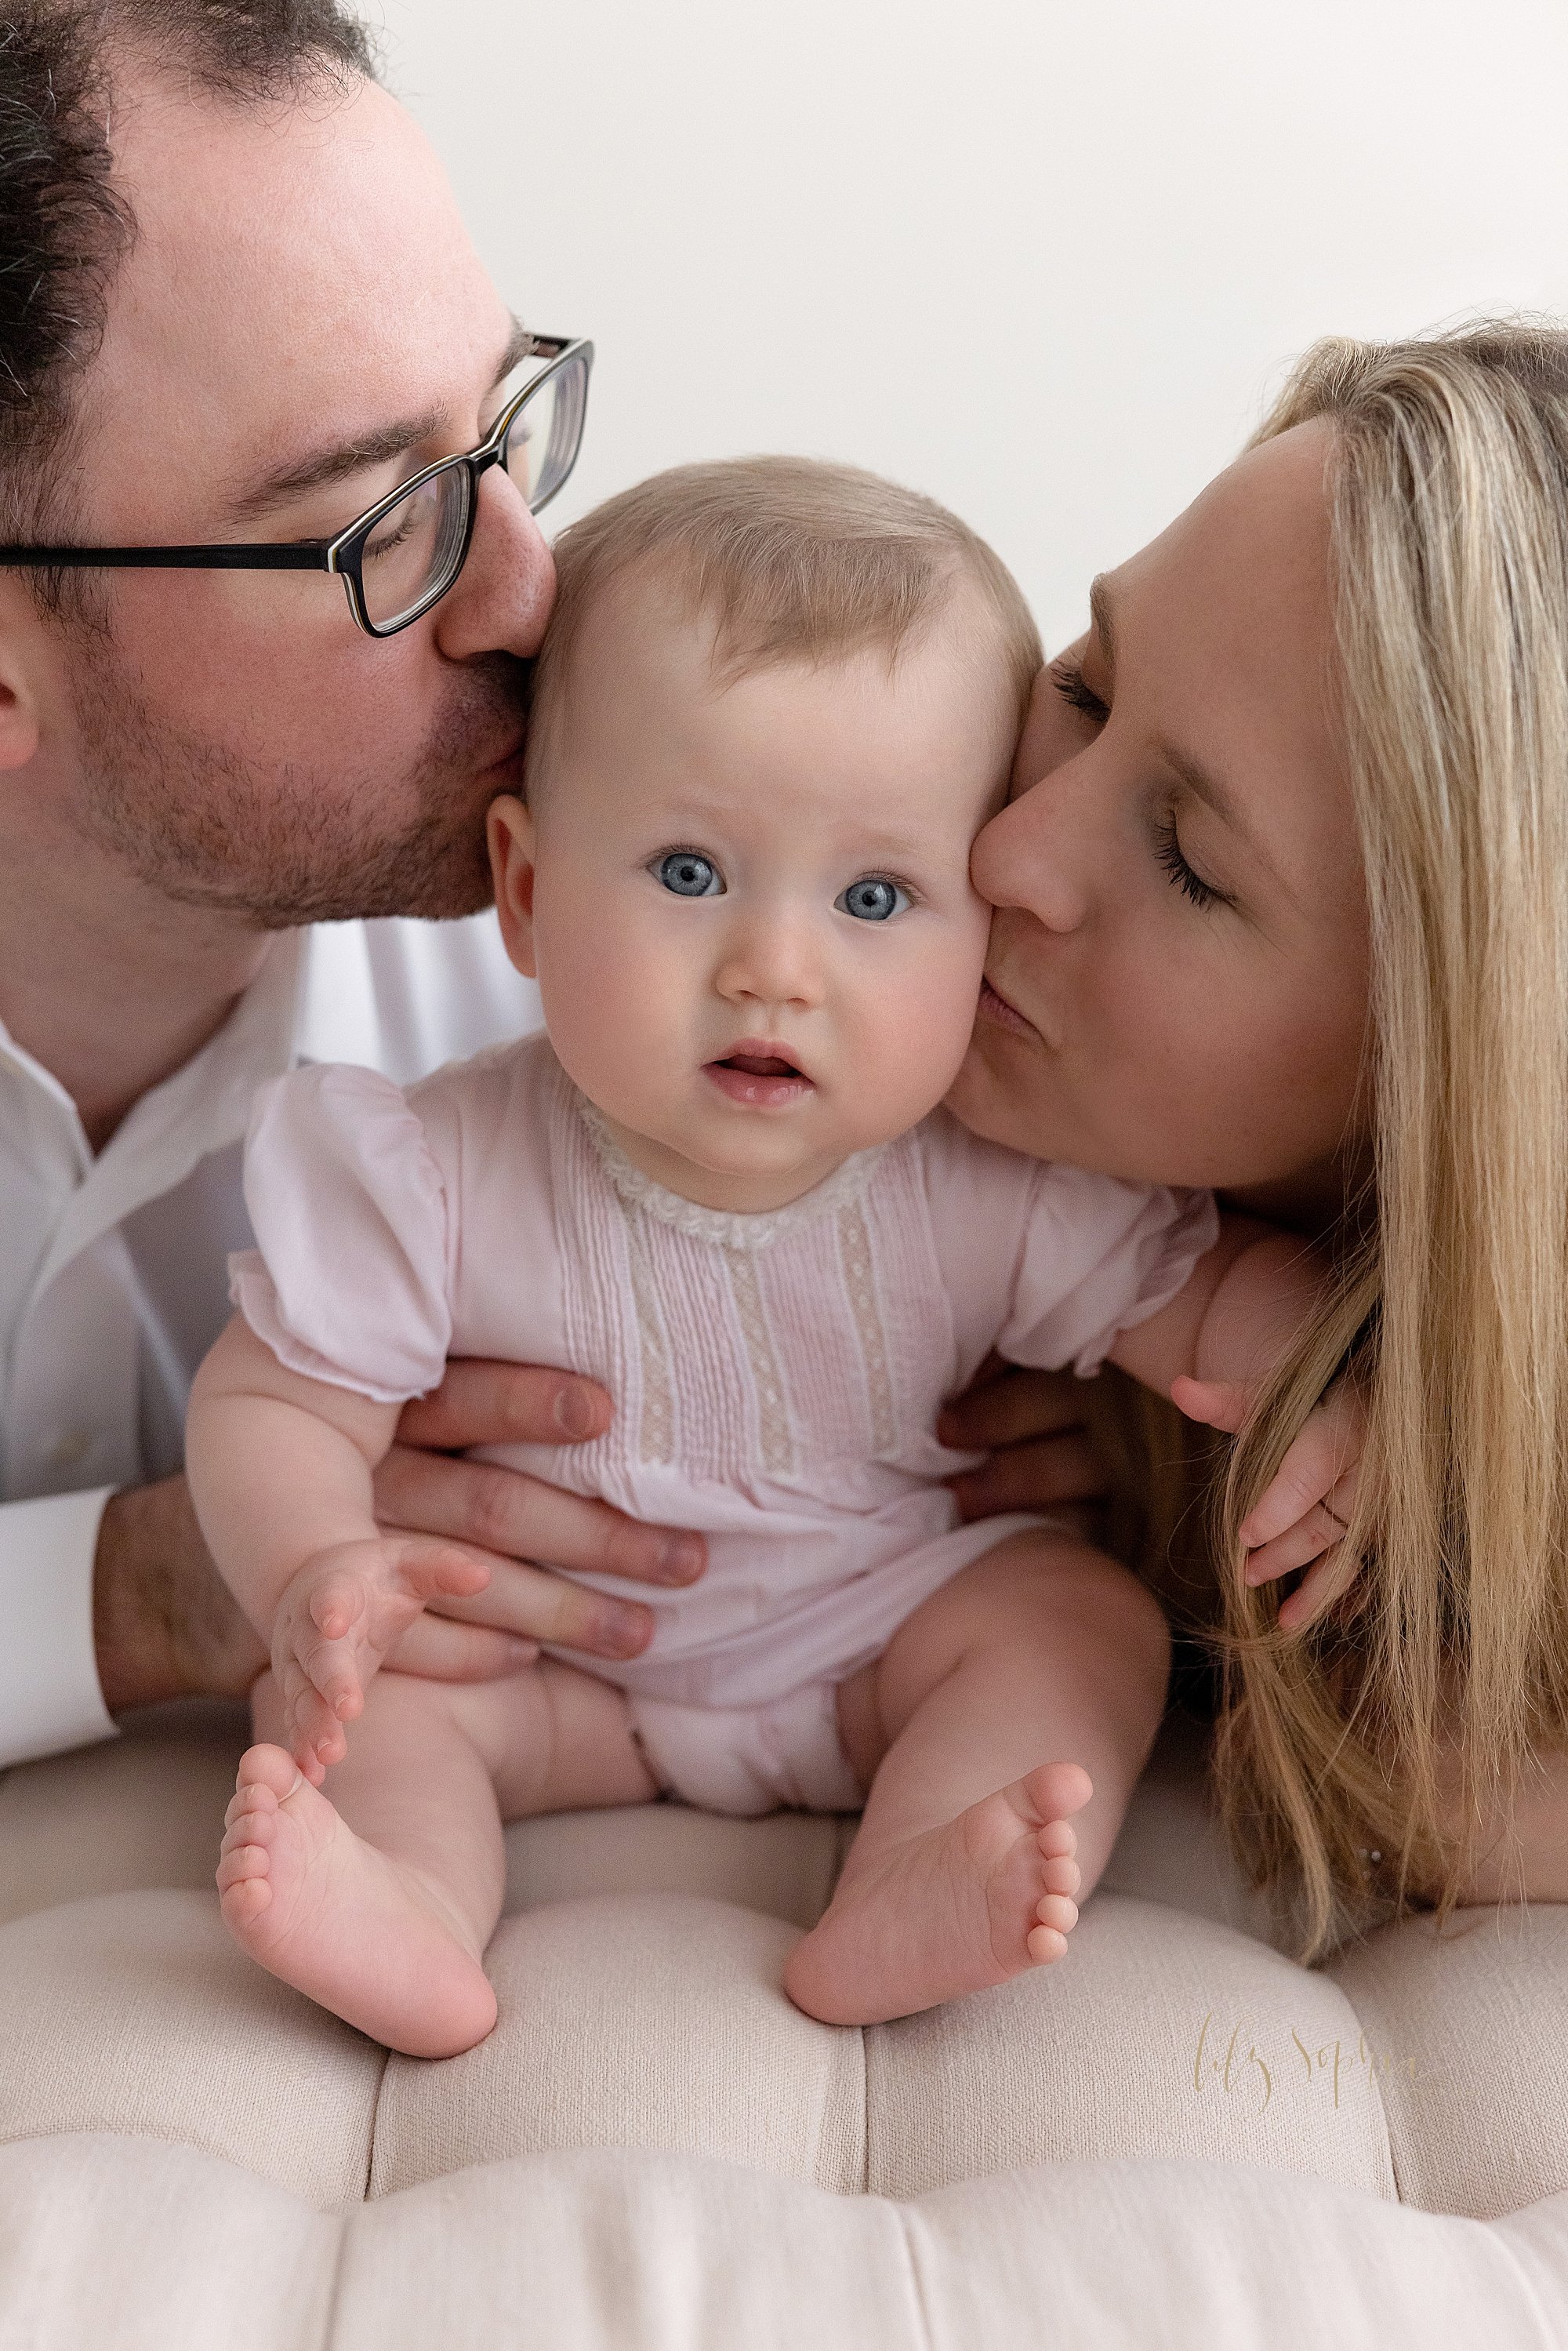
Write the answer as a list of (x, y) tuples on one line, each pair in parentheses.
[(777, 701)]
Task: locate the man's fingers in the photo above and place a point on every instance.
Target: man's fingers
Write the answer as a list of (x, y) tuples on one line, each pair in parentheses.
[(484, 1403), (439, 1571), (532, 1604), (445, 1651), (1034, 1476), (1008, 1408), (508, 1514)]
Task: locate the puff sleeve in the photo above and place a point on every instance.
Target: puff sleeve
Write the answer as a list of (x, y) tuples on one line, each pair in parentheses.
[(350, 1279), (1099, 1257)]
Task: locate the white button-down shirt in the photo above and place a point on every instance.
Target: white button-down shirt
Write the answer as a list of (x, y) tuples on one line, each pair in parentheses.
[(113, 1273)]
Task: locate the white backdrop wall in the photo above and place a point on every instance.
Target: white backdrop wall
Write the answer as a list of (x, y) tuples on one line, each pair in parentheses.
[(1043, 258)]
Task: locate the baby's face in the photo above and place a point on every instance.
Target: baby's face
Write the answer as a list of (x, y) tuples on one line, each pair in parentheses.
[(748, 905)]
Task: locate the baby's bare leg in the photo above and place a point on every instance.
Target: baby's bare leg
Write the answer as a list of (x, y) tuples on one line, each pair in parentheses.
[(377, 1894), (1006, 1724)]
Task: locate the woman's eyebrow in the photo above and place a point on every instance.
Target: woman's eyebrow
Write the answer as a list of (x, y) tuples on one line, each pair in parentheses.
[(1103, 617)]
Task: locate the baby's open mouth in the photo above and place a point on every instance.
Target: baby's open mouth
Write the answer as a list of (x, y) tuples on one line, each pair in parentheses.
[(759, 1080), (760, 1065)]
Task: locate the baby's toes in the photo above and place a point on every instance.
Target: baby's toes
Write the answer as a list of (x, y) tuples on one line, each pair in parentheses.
[(1057, 1840), (256, 1830), (1060, 1874), (268, 1768), (1058, 1911)]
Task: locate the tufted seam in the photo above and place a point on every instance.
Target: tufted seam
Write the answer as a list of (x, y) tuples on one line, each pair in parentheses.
[(334, 2302), (906, 2221)]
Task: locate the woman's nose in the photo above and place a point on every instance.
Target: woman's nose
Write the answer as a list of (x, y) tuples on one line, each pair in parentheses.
[(502, 597), (1035, 854)]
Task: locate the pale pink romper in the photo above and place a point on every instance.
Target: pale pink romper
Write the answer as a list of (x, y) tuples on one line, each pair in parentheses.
[(776, 1377)]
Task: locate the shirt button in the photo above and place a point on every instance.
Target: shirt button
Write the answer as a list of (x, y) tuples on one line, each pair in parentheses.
[(66, 1451)]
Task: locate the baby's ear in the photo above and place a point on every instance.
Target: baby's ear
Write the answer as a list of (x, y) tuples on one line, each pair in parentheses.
[(510, 829)]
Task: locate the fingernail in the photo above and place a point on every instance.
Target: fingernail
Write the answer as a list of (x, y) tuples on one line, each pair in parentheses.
[(574, 1411), (622, 1631), (680, 1559), (523, 1653)]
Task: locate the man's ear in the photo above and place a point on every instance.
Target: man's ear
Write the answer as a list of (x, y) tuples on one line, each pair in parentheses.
[(510, 829), (19, 635)]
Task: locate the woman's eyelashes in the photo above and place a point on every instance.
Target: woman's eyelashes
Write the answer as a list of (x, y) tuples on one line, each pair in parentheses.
[(1068, 679), (1168, 850)]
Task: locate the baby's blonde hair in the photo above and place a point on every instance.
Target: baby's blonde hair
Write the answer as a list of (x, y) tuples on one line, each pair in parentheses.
[(793, 560)]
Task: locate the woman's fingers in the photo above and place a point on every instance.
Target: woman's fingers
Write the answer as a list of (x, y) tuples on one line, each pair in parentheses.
[(1006, 1405), (484, 1403), (505, 1512), (1041, 1475), (1315, 1532), (1333, 1574)]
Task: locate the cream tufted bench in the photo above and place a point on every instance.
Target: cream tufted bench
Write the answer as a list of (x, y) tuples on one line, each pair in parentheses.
[(1177, 2137)]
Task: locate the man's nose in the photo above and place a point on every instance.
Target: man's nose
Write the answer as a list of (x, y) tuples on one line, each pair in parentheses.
[(768, 960), (1036, 853), (502, 597)]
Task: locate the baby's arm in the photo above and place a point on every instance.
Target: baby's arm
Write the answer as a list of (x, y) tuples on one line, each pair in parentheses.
[(1211, 1348), (280, 1471)]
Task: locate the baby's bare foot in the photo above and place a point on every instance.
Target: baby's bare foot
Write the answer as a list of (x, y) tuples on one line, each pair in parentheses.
[(341, 1922), (950, 1910)]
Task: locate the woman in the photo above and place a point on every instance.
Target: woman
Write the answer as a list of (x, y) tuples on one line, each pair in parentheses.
[(1283, 908)]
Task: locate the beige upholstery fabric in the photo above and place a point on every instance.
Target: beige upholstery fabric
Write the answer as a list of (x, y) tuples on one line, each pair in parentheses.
[(145, 2248), (1177, 2136)]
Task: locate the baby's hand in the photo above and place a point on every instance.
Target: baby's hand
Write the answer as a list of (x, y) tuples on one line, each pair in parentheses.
[(336, 1619), (1302, 1518)]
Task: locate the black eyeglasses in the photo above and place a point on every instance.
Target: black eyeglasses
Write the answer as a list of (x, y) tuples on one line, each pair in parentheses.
[(401, 556)]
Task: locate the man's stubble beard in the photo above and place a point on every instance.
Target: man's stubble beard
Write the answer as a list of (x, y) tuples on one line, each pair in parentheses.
[(204, 827)]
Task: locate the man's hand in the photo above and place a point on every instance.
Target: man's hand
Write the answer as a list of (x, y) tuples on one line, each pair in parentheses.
[(166, 1625), (1032, 1424)]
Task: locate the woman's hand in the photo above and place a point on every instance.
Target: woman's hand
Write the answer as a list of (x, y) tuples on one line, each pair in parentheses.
[(1032, 1424), (516, 1521), (1302, 1518)]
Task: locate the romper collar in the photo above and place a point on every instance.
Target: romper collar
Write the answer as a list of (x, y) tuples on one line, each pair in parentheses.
[(724, 1227)]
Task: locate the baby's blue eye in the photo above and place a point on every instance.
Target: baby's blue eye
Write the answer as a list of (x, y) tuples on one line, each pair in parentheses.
[(690, 875), (875, 899)]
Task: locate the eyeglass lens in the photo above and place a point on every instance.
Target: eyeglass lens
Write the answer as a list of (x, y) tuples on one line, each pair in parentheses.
[(416, 548)]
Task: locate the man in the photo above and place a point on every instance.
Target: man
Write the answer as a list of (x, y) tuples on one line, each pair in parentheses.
[(239, 308)]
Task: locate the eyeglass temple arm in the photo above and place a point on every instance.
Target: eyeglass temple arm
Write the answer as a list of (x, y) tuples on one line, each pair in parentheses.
[(315, 555)]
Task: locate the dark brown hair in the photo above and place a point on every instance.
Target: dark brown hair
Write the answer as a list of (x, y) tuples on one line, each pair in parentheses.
[(64, 225)]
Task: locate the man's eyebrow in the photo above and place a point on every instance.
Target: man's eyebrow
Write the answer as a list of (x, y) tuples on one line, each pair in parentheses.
[(320, 468)]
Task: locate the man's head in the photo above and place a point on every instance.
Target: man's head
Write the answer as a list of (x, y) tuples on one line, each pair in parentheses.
[(240, 305)]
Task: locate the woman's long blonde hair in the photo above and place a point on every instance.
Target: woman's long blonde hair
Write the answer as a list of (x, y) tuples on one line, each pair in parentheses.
[(1449, 488)]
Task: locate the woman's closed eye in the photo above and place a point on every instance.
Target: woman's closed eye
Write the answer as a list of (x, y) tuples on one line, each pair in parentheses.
[(1069, 680), (687, 873), (1168, 850)]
